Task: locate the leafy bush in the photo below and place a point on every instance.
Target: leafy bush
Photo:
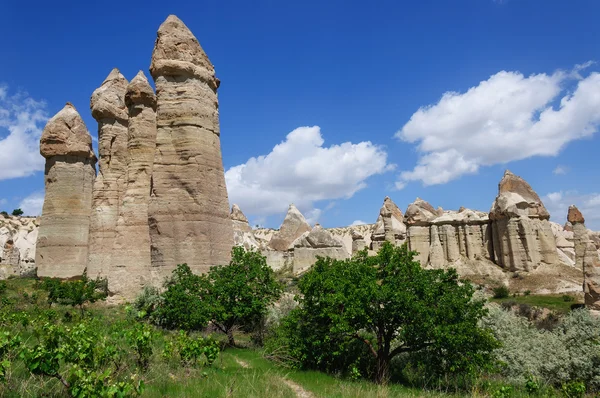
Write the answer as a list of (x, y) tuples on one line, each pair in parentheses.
[(501, 292), (147, 302), (185, 303), (3, 287), (140, 338), (242, 291), (372, 309), (575, 353), (567, 298), (573, 389), (17, 212), (76, 293), (190, 349), (4, 213)]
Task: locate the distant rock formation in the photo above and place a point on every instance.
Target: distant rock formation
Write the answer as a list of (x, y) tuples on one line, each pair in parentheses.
[(62, 244), (317, 242), (130, 269), (293, 226), (586, 258), (242, 232), (18, 236), (389, 226), (189, 209), (108, 108), (522, 236), (417, 218)]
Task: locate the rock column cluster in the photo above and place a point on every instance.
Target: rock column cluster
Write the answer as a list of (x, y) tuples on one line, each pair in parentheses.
[(62, 245), (159, 198)]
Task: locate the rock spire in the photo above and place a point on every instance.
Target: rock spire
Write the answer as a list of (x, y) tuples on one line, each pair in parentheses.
[(293, 226), (130, 269), (108, 108), (62, 245), (188, 209)]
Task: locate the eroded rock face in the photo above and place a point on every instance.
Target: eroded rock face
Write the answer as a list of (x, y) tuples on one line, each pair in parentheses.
[(189, 209), (417, 218), (389, 226), (293, 226), (18, 237), (242, 232), (522, 236), (108, 108), (586, 257), (317, 242), (130, 268), (62, 244)]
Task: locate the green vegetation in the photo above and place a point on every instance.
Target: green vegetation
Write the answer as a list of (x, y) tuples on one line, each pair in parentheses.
[(553, 302), (356, 316), (17, 212), (57, 339), (501, 292)]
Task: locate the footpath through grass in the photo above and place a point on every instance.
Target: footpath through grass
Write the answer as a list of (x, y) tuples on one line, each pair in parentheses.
[(245, 373)]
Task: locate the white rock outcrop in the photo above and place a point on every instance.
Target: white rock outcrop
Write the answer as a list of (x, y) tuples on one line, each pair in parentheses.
[(18, 236), (317, 242)]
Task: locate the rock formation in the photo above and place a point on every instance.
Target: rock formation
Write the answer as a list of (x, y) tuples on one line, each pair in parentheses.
[(586, 257), (18, 236), (242, 232), (389, 226), (189, 209), (417, 218), (358, 241), (293, 226), (130, 269), (317, 242), (108, 108), (522, 236), (62, 245)]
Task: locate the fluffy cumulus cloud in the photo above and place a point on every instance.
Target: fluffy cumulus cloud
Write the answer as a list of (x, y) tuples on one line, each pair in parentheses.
[(32, 204), (560, 170), (301, 170), (21, 121), (505, 118), (558, 204)]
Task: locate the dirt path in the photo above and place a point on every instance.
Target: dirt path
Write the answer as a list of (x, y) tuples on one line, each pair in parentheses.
[(242, 363), (297, 388)]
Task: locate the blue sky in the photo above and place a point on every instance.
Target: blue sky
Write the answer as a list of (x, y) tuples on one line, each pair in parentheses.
[(340, 103)]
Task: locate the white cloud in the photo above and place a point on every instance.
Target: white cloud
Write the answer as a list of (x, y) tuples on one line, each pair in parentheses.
[(3, 202), (560, 170), (358, 222), (302, 171), (21, 122), (32, 204), (558, 204), (505, 118)]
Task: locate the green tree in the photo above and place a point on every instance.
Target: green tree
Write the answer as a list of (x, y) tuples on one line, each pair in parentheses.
[(242, 291), (17, 212), (185, 302), (390, 305)]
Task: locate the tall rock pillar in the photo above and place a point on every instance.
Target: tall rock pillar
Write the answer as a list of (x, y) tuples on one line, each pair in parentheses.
[(189, 209), (109, 110), (130, 268), (522, 236), (586, 257), (62, 245)]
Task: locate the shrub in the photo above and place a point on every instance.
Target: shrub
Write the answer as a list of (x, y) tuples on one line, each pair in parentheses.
[(147, 302), (501, 292), (372, 309), (190, 349), (566, 298), (140, 338), (527, 292), (17, 212), (3, 287), (524, 354), (4, 213), (76, 293), (241, 292), (185, 301)]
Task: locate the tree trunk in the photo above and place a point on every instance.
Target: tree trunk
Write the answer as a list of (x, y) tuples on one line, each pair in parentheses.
[(383, 367), (230, 339)]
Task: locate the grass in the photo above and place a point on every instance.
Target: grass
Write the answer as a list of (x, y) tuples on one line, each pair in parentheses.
[(553, 302)]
